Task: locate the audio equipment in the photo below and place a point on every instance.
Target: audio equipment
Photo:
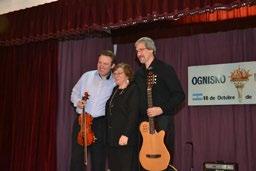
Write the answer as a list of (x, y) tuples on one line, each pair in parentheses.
[(220, 166)]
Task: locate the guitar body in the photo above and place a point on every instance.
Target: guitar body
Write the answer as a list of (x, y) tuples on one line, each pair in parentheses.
[(153, 155)]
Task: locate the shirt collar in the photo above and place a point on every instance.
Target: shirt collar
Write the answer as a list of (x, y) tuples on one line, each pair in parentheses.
[(109, 76), (151, 66)]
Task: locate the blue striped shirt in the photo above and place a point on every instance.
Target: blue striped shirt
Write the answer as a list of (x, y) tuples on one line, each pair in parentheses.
[(99, 90)]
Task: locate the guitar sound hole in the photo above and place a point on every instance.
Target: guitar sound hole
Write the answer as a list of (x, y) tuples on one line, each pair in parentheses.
[(154, 156)]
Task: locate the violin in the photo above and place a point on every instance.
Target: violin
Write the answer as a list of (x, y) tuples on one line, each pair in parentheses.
[(85, 136)]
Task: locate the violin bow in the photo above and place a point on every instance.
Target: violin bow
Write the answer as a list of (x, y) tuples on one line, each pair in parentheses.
[(85, 97)]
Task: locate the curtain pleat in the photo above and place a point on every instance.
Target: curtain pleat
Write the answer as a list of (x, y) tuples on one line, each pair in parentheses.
[(63, 18), (219, 15), (28, 107)]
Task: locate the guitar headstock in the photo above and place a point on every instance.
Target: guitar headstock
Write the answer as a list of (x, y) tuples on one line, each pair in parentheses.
[(151, 79), (86, 96)]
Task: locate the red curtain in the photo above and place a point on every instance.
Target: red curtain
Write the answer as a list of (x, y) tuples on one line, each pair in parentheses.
[(28, 112), (66, 17), (220, 15)]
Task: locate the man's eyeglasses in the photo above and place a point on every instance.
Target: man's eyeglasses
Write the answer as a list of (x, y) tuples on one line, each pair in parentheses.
[(140, 50)]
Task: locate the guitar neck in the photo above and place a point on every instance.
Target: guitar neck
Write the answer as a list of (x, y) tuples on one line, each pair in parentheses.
[(150, 104)]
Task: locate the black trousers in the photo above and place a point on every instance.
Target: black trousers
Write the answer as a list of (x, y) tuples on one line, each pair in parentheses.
[(123, 158), (97, 150)]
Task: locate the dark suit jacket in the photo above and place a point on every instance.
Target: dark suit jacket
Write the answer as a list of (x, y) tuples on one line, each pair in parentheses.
[(122, 115), (167, 92)]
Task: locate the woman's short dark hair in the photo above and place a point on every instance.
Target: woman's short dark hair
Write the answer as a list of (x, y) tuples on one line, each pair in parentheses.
[(127, 70)]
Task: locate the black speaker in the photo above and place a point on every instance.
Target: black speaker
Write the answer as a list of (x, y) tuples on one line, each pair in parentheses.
[(220, 166)]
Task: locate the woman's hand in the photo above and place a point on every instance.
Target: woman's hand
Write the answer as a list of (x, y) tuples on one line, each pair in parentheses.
[(123, 140)]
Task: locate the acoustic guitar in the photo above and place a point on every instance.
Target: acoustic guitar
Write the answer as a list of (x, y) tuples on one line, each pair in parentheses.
[(153, 155)]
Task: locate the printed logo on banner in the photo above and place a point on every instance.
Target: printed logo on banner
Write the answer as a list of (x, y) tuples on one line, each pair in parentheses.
[(197, 96), (240, 77)]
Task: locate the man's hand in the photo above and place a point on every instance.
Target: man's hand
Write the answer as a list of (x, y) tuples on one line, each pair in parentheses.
[(154, 111), (81, 104)]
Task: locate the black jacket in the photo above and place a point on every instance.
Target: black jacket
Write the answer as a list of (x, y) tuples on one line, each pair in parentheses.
[(122, 115), (167, 91)]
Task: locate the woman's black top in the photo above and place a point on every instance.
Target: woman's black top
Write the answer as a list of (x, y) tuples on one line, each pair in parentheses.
[(122, 115)]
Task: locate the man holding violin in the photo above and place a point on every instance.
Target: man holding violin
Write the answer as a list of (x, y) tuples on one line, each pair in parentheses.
[(98, 84)]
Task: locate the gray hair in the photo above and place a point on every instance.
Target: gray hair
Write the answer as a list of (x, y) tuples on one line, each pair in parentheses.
[(148, 42)]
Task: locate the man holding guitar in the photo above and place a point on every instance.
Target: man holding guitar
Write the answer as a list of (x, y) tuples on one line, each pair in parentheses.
[(160, 94)]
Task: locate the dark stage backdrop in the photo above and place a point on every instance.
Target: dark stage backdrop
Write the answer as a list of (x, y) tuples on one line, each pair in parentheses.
[(225, 133), (74, 17), (29, 101), (28, 107), (75, 58)]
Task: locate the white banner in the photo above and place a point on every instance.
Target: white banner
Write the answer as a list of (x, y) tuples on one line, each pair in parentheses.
[(222, 84)]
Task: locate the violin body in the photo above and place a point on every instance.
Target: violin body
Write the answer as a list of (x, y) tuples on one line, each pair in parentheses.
[(85, 136), (85, 131)]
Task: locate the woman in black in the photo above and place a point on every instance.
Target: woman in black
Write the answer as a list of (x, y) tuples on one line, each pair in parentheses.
[(122, 121)]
